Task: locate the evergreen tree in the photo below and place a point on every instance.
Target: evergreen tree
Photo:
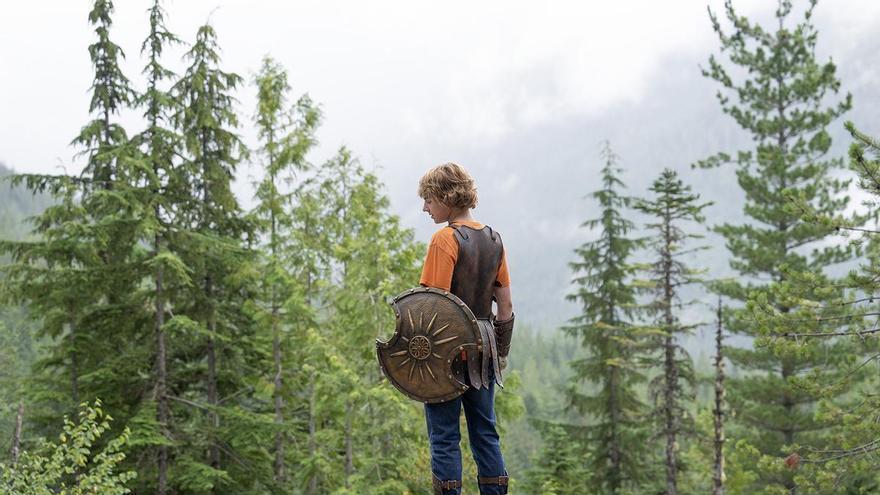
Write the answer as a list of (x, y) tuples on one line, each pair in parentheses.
[(216, 335), (286, 134), (559, 467), (160, 144), (354, 256), (673, 204), (606, 328), (102, 139), (718, 409), (48, 275), (846, 464), (780, 98), (83, 272)]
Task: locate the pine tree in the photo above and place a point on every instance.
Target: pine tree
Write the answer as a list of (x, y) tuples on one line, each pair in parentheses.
[(780, 99), (48, 275), (286, 134), (377, 259), (160, 144), (102, 138), (559, 467), (849, 405), (211, 314), (606, 328), (352, 255), (83, 271), (673, 204), (718, 409)]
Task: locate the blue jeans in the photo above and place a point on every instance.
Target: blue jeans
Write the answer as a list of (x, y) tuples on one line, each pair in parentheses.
[(445, 437)]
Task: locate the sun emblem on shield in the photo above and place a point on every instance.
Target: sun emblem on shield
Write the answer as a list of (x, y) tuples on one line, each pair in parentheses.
[(421, 346)]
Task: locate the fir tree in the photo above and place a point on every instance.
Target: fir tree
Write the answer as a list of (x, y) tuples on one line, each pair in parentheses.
[(606, 328), (376, 259), (86, 265), (347, 254), (672, 205), (286, 134), (211, 312), (102, 138), (49, 275), (160, 144), (718, 409), (559, 467), (780, 98)]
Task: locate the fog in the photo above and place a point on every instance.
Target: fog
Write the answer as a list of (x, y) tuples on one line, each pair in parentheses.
[(521, 93)]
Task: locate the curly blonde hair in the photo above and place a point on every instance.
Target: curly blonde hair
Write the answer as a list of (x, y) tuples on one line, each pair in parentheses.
[(450, 184)]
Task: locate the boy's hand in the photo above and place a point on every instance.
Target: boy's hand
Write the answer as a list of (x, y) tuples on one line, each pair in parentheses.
[(502, 362)]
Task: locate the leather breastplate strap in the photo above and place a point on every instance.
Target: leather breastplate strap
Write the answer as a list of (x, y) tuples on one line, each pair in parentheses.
[(473, 281)]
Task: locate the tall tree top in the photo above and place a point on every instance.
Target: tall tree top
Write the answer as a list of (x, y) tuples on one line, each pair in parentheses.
[(780, 99), (110, 88)]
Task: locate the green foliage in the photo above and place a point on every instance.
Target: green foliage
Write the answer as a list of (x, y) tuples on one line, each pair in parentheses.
[(845, 318), (539, 362), (776, 90), (362, 257), (559, 468), (607, 330), (74, 465), (673, 204), (82, 271)]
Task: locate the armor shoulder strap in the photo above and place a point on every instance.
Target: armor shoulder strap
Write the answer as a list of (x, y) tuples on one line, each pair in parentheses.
[(459, 231)]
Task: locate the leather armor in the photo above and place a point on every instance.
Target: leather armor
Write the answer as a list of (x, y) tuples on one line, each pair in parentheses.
[(473, 281)]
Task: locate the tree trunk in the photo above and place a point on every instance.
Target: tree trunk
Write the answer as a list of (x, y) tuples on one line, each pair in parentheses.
[(787, 371), (74, 365), (213, 450), (313, 441), (276, 333), (349, 447), (279, 404), (718, 412), (161, 384), (671, 409), (670, 417), (614, 454), (15, 450)]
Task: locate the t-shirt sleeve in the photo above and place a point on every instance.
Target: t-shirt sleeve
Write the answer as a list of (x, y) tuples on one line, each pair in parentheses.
[(503, 278), (440, 260)]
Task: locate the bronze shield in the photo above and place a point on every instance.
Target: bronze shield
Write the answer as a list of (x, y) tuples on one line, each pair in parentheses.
[(433, 327)]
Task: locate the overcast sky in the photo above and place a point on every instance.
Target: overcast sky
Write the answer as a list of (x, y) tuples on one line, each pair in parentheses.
[(405, 84), (409, 84)]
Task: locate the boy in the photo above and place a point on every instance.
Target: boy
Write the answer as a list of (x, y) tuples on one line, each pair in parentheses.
[(467, 259)]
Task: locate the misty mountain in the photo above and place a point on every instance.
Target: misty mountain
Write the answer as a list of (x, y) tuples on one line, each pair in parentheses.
[(545, 172)]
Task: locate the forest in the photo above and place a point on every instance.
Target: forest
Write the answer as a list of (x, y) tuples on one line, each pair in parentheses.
[(156, 336)]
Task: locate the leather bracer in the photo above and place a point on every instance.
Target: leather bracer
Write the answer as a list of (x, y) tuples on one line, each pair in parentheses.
[(503, 334)]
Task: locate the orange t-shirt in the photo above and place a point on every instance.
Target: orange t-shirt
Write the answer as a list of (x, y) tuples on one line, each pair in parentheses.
[(442, 255)]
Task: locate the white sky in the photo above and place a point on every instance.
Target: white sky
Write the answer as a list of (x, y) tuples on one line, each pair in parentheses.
[(391, 76)]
